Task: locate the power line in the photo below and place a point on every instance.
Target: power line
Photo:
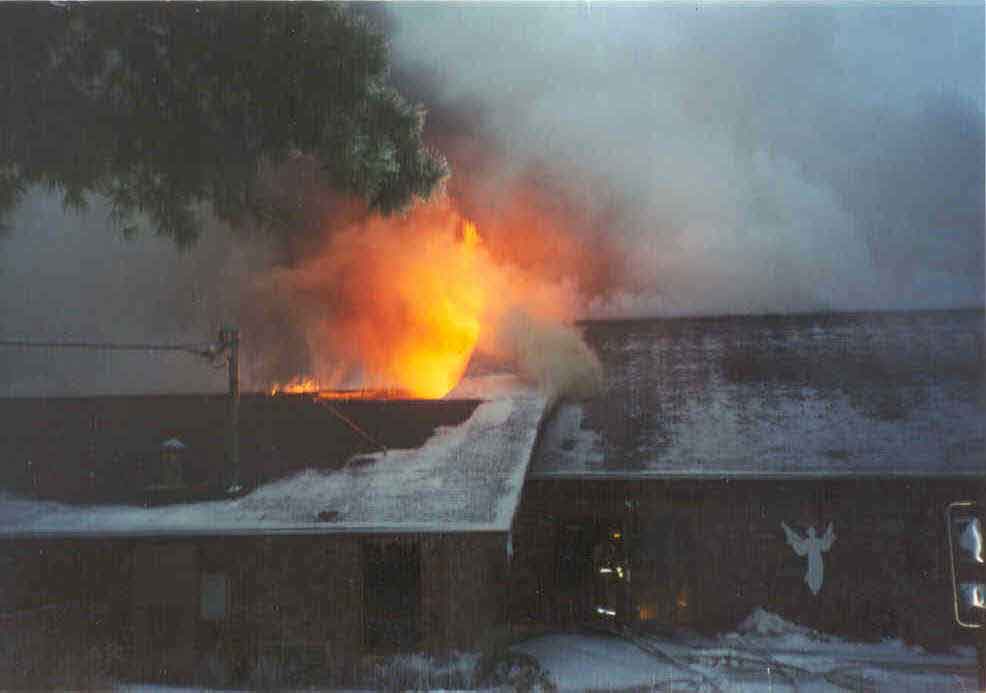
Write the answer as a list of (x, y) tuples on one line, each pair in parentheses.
[(222, 353), (352, 424), (104, 346)]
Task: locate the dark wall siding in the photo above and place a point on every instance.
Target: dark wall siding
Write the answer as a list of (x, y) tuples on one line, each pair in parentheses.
[(294, 599), (707, 553), (464, 579)]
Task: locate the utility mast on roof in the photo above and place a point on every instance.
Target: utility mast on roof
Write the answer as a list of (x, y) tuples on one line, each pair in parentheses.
[(229, 340)]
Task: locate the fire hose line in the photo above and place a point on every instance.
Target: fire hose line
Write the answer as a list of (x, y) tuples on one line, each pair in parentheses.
[(659, 653), (849, 676), (653, 650), (846, 678), (842, 678), (788, 671)]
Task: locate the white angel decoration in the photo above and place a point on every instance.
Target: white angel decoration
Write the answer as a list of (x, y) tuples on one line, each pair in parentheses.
[(812, 546)]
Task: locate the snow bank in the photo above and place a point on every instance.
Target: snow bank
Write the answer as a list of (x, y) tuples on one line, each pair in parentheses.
[(765, 653), (757, 657), (765, 624), (801, 653), (422, 672), (765, 630)]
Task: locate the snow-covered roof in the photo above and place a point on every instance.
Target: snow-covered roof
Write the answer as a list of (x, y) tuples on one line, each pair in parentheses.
[(880, 394), (464, 478)]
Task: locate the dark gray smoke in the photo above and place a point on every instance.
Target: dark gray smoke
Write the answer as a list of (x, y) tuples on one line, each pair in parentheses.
[(774, 158)]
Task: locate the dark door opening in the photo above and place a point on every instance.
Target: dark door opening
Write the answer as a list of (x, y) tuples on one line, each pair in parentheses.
[(593, 572), (391, 573)]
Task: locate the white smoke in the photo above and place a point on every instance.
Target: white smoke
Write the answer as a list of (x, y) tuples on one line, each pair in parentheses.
[(551, 354), (776, 158)]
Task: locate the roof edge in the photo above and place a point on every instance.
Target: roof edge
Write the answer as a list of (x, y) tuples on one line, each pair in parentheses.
[(767, 475), (295, 530)]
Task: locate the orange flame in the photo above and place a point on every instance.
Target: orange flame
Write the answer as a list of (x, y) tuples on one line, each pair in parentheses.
[(445, 299), (401, 303), (396, 307), (296, 386), (311, 386)]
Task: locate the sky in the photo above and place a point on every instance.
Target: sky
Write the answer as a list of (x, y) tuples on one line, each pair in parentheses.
[(737, 158)]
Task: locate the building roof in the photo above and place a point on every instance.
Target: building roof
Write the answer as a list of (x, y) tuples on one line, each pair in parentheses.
[(466, 477), (108, 449), (862, 394), (794, 396)]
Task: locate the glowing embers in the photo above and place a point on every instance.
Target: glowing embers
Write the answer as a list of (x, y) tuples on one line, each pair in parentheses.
[(311, 386), (647, 612), (387, 393), (296, 386)]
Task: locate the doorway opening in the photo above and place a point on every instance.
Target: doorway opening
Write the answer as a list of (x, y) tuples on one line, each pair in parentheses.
[(593, 572), (391, 572)]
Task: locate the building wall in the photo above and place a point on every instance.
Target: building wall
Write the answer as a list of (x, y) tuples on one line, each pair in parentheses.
[(292, 603), (164, 583), (465, 587), (57, 606), (707, 553)]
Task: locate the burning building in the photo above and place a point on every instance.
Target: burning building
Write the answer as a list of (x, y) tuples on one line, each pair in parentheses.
[(668, 499), (677, 496), (364, 548), (649, 475)]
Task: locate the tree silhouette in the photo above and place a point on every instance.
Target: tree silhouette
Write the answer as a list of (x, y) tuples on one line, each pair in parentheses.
[(170, 109)]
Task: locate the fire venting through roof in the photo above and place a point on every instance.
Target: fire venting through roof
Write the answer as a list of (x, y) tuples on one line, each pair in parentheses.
[(628, 161), (403, 304)]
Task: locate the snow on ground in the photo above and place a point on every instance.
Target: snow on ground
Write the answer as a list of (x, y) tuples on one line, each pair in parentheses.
[(577, 661), (153, 688), (766, 653), (465, 477)]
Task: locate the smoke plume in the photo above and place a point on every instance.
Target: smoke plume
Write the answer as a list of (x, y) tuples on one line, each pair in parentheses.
[(763, 159), (551, 354), (615, 161)]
